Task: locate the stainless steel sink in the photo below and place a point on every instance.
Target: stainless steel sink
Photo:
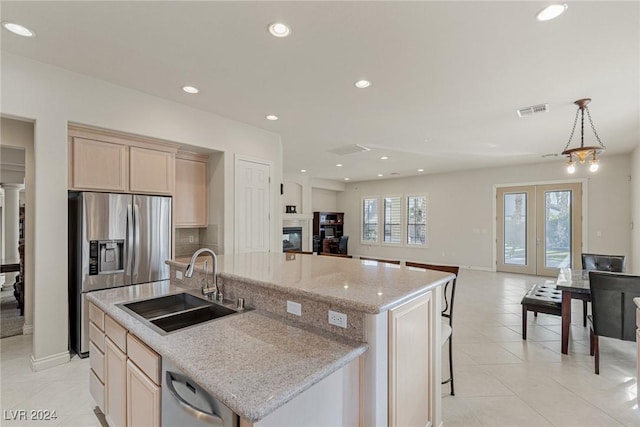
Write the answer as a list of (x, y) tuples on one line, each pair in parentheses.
[(178, 311), (162, 306), (192, 317)]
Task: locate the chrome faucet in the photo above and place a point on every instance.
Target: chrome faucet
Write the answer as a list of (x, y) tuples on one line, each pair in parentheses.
[(206, 290)]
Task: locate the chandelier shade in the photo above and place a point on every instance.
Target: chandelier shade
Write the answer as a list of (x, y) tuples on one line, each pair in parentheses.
[(583, 152)]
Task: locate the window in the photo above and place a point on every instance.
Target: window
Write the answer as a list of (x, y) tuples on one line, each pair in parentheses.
[(417, 220), (392, 220), (369, 219)]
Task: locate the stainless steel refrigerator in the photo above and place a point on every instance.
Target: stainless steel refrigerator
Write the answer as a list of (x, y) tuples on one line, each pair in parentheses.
[(114, 240)]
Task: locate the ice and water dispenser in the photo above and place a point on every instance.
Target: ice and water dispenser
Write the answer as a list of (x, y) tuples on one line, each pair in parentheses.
[(106, 256)]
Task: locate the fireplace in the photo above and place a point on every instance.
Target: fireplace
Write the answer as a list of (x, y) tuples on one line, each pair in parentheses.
[(291, 239)]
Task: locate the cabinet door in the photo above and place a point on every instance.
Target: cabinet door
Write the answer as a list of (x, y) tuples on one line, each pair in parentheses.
[(151, 171), (190, 207), (115, 385), (143, 399), (410, 376), (97, 165)]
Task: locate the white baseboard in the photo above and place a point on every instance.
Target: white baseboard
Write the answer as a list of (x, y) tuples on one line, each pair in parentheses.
[(49, 361), (27, 329), (475, 267)]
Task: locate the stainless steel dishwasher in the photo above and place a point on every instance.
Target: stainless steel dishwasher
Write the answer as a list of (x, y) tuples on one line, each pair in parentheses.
[(186, 404)]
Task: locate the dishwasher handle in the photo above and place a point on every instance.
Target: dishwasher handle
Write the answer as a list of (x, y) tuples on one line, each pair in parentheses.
[(201, 415)]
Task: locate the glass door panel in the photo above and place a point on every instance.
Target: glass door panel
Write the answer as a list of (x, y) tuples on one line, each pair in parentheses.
[(516, 222), (557, 224), (559, 234), (539, 228), (515, 229)]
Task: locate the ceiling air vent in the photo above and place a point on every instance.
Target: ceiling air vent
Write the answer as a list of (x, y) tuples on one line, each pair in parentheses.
[(534, 109), (349, 149)]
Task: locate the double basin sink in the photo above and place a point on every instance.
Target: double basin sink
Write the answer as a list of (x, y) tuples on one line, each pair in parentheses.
[(171, 313)]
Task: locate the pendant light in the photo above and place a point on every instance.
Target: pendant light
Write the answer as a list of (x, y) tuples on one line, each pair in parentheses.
[(581, 153)]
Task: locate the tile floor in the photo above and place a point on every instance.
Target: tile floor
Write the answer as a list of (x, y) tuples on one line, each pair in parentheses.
[(500, 380)]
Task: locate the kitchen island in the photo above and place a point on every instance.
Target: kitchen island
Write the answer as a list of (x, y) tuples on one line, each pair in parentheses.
[(263, 362)]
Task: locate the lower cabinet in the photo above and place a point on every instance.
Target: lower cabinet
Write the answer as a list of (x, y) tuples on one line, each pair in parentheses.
[(115, 408), (410, 347), (143, 398), (638, 346), (124, 379)]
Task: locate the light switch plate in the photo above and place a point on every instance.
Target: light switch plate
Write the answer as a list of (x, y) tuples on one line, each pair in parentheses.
[(294, 308), (178, 274)]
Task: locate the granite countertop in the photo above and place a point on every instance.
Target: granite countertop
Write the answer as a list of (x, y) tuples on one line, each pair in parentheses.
[(362, 285), (253, 362)]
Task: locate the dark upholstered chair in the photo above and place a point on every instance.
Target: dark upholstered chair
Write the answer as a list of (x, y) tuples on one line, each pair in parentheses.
[(543, 298), (447, 311), (343, 244), (612, 307), (388, 261), (612, 263)]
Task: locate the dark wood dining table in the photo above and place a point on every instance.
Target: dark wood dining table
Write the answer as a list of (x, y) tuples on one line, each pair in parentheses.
[(571, 282)]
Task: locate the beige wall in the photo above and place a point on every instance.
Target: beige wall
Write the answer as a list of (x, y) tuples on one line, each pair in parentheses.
[(634, 265), (461, 210), (19, 133), (324, 200), (52, 98)]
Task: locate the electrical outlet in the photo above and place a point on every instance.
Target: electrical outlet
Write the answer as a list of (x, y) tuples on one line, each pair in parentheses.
[(337, 319), (294, 308), (191, 239), (178, 274)]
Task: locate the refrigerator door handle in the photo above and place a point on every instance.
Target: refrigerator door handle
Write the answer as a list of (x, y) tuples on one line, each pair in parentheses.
[(136, 245), (129, 267)]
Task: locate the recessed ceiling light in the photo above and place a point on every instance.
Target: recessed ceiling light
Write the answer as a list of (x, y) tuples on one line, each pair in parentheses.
[(550, 12), (272, 117), (278, 29), (190, 89), (384, 158), (18, 29), (362, 84), (339, 165), (303, 170), (420, 170), (346, 179), (380, 174)]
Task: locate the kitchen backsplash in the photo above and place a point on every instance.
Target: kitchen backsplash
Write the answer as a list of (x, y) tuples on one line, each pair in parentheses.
[(187, 241)]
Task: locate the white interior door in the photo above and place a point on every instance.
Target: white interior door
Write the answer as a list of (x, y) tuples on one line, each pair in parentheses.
[(253, 209)]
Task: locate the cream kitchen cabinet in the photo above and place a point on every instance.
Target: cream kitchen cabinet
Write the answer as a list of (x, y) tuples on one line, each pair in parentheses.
[(190, 200), (104, 161), (96, 355), (97, 165), (143, 398), (151, 171), (125, 374), (115, 373), (409, 363)]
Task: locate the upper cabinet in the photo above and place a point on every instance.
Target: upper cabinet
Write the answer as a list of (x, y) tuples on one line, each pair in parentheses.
[(151, 171), (97, 165), (105, 161), (190, 200)]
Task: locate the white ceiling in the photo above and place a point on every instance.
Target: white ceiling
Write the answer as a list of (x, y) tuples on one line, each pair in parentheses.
[(446, 76)]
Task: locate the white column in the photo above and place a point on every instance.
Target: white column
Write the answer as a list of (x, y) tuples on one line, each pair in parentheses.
[(11, 226)]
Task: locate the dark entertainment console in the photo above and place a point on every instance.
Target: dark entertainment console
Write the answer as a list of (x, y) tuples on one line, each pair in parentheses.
[(328, 228)]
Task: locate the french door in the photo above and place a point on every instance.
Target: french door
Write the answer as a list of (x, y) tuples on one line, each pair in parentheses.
[(539, 228)]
